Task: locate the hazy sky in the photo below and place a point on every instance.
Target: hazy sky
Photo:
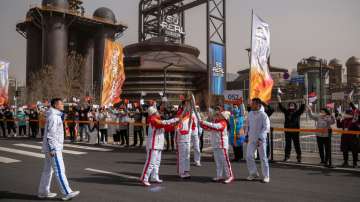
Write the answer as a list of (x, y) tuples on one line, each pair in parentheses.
[(299, 28)]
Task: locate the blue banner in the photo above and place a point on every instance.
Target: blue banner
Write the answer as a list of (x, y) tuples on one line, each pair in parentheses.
[(217, 66)]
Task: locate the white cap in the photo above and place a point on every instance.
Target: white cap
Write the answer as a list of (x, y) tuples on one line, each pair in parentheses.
[(226, 115), (152, 110)]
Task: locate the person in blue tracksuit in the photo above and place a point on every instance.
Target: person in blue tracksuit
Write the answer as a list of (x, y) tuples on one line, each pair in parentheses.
[(53, 143), (237, 136)]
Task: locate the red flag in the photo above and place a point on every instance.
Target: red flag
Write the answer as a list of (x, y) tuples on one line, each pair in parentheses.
[(330, 105)]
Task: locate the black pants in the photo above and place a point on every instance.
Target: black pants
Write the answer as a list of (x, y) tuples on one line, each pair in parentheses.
[(138, 133), (169, 137), (2, 125), (201, 141), (22, 130), (34, 129), (11, 127), (292, 137), (324, 148), (42, 131), (72, 133), (117, 136), (238, 152), (354, 156), (353, 148), (124, 137), (104, 135)]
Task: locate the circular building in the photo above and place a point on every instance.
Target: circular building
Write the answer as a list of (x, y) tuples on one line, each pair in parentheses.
[(165, 68), (105, 14), (315, 69), (63, 4), (335, 74), (353, 71)]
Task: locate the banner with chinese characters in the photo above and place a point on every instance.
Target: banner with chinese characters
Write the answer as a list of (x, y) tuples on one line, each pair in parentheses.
[(113, 73), (4, 82)]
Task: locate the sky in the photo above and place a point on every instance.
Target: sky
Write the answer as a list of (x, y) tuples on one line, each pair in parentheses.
[(299, 28)]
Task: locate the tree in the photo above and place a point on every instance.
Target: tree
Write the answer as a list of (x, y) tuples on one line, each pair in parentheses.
[(73, 76), (42, 85)]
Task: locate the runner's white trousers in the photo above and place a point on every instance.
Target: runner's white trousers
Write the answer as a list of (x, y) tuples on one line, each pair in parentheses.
[(52, 164), (183, 157), (250, 159), (223, 165), (195, 140), (152, 165)]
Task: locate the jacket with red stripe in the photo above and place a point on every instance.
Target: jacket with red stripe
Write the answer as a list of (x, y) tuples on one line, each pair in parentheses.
[(219, 134), (184, 128), (196, 129), (155, 138)]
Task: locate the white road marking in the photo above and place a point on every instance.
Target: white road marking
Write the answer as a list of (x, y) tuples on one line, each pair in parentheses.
[(8, 160), (87, 147), (26, 153), (112, 173), (39, 147)]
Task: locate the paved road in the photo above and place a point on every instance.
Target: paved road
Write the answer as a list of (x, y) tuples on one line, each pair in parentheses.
[(106, 174)]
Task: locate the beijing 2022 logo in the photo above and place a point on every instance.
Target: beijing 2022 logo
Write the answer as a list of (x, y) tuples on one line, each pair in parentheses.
[(218, 70)]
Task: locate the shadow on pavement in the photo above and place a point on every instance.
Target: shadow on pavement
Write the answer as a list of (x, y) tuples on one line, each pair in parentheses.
[(108, 179), (176, 178), (7, 196), (316, 171)]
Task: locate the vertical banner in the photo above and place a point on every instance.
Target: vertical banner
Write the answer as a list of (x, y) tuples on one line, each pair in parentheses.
[(261, 83), (217, 61), (113, 72), (4, 82)]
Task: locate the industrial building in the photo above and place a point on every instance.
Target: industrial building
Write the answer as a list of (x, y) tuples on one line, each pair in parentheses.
[(56, 29)]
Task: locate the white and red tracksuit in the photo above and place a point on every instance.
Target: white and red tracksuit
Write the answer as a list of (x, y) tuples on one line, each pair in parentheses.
[(154, 146), (195, 138), (220, 144), (183, 139)]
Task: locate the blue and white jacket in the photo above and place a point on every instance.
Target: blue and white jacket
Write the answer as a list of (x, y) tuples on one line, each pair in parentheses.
[(53, 139)]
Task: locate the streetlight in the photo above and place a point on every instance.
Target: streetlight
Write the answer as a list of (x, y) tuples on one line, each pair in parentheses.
[(165, 71)]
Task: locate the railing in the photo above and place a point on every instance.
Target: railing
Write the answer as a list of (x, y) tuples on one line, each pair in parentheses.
[(332, 134)]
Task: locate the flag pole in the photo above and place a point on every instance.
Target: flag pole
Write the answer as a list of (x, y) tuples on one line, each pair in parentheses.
[(250, 52)]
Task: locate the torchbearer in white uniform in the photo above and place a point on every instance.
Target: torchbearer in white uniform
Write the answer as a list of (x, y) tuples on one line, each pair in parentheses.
[(154, 146), (258, 125), (220, 144), (183, 138), (195, 139), (53, 143)]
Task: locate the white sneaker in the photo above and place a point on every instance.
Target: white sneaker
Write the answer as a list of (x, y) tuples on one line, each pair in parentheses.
[(230, 179), (266, 179), (252, 177), (48, 195), (70, 195), (146, 183), (197, 164), (157, 181), (185, 175), (217, 179)]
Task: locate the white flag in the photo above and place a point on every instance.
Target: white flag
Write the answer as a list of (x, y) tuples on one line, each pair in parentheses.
[(261, 82)]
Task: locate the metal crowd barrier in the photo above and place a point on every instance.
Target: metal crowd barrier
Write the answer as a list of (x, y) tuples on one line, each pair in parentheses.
[(331, 132)]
